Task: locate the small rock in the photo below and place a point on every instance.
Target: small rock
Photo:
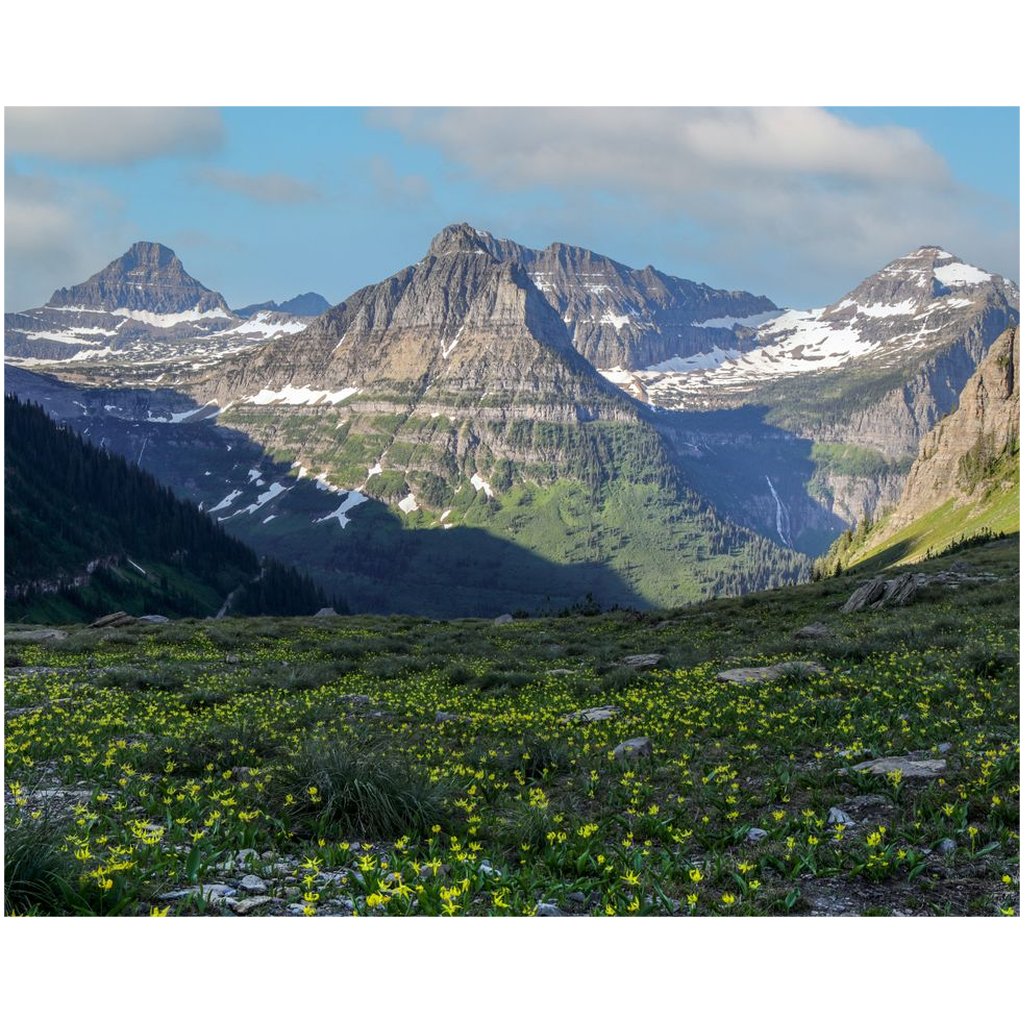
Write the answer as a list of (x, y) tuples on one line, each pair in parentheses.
[(244, 856), (755, 674), (874, 808), (639, 746), (291, 891), (944, 748), (837, 816), (503, 620), (213, 893), (548, 910), (946, 847), (487, 869), (642, 660), (926, 769), (577, 897), (813, 631), (559, 672), (324, 612), (232, 659), (253, 884), (756, 835), (445, 716), (600, 714), (154, 618), (114, 619), (243, 907)]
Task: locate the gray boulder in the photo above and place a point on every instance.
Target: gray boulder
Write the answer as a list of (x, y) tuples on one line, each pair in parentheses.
[(900, 591), (324, 612), (113, 620), (600, 714), (154, 618), (922, 769), (639, 746), (813, 631), (503, 620), (865, 596), (548, 910), (642, 660), (752, 675)]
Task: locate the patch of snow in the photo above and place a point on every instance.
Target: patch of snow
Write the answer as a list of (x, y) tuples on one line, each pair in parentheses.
[(446, 350), (135, 565), (268, 495), (225, 502), (960, 273), (300, 396), (170, 319), (174, 417), (271, 516), (375, 470), (480, 484), (754, 320), (700, 361), (618, 322), (261, 324), (904, 308), (352, 499), (408, 504), (617, 375)]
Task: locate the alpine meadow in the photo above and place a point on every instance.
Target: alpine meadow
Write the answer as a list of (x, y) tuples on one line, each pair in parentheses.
[(491, 574)]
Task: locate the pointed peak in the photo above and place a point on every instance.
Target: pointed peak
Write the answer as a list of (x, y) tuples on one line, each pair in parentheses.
[(154, 254), (460, 238)]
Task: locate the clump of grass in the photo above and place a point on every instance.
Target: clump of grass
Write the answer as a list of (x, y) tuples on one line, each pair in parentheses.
[(363, 791), (37, 873), (501, 680), (460, 675), (135, 677)]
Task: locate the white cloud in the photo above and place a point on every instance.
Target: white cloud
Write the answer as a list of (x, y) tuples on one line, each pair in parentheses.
[(55, 235), (398, 189), (794, 194), (111, 135), (264, 188)]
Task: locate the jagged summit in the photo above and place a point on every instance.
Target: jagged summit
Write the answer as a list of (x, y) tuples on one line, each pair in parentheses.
[(617, 316), (149, 277)]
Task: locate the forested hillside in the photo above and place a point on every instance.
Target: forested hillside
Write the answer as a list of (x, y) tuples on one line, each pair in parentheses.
[(87, 531)]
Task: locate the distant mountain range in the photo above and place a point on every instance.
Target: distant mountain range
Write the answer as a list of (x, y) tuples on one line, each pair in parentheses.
[(503, 427), (306, 304)]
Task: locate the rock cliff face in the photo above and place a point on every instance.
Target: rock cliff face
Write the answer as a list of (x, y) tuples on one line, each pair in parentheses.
[(618, 316), (956, 457), (461, 329)]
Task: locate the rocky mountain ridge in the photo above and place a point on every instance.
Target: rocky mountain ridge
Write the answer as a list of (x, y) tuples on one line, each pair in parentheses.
[(142, 308), (306, 304)]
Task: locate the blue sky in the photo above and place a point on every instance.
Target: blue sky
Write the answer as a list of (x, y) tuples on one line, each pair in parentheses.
[(797, 203)]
